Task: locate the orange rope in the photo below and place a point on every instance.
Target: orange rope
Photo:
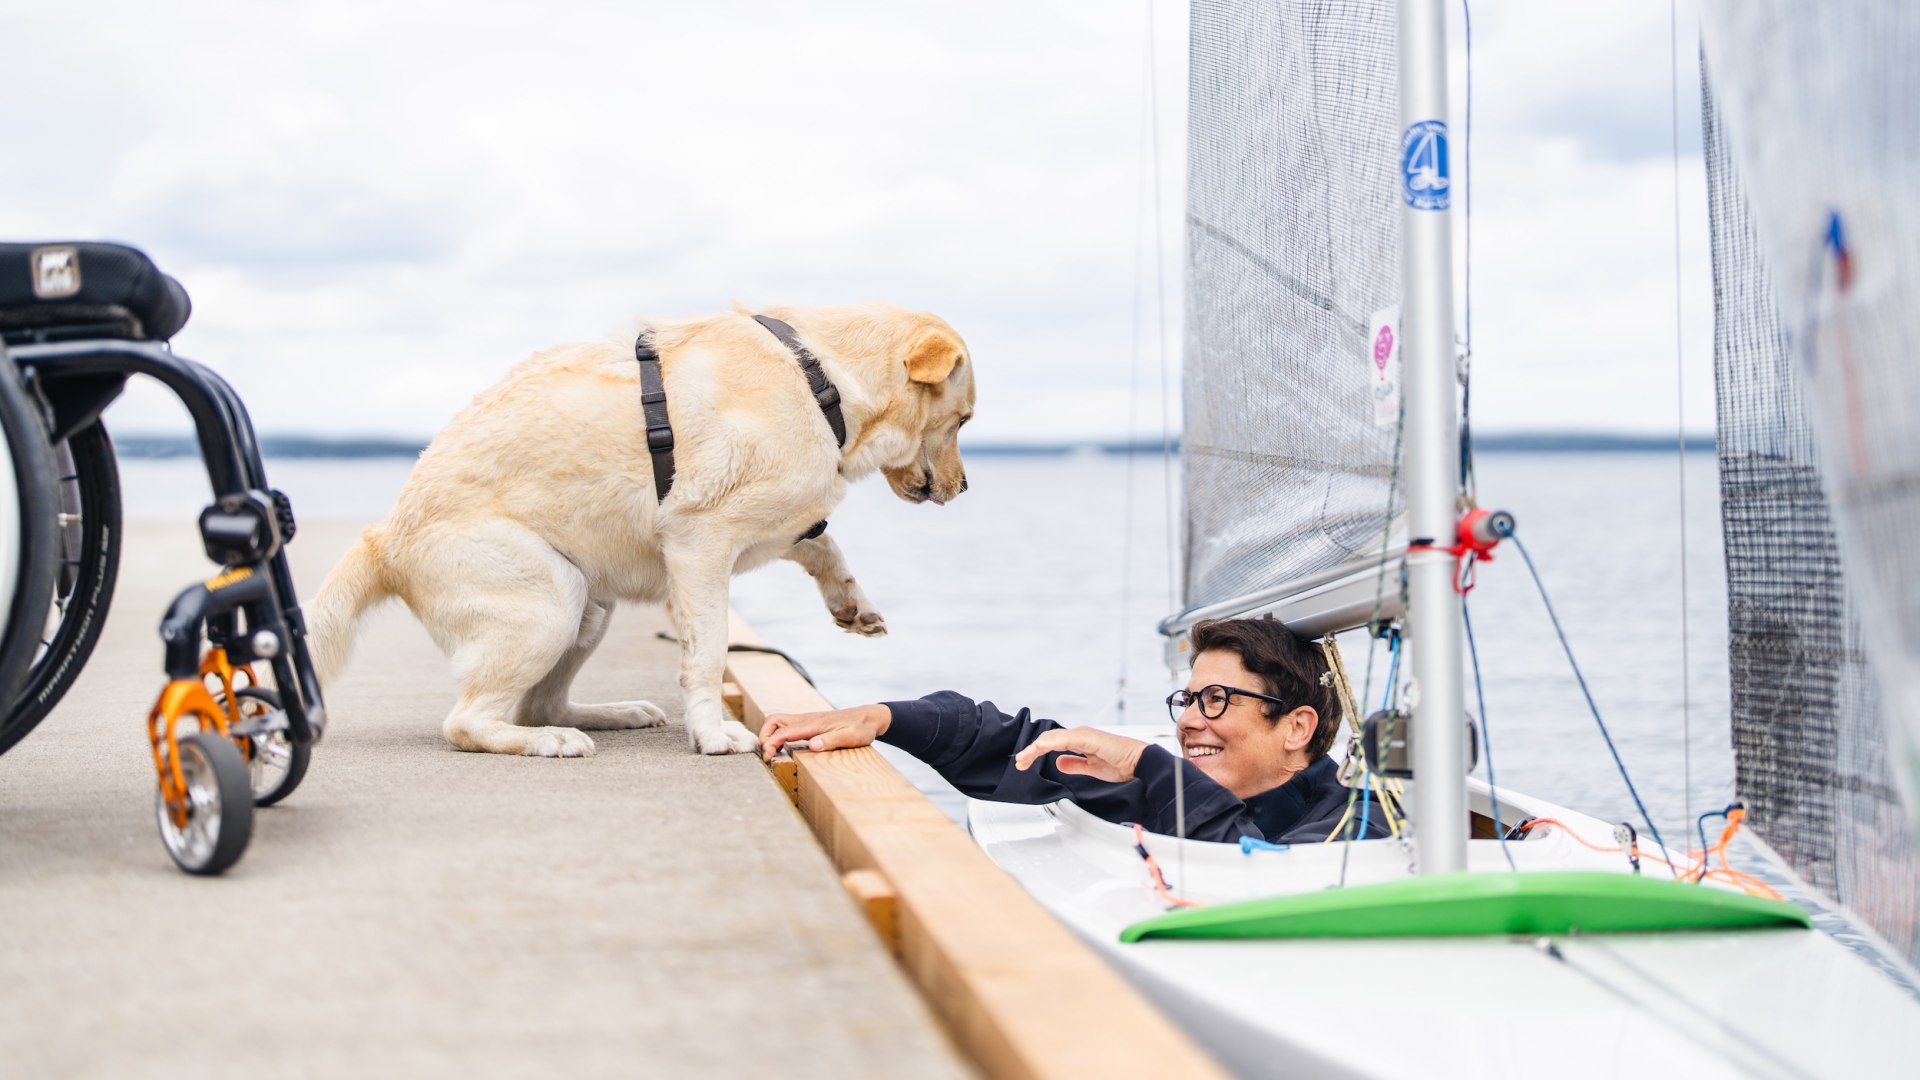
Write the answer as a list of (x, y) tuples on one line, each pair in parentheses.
[(1153, 872), (1696, 866)]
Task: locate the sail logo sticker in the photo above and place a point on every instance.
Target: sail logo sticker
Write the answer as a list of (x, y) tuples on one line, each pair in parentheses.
[(1423, 165), (1383, 367)]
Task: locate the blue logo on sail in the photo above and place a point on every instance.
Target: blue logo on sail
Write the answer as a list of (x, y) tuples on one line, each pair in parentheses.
[(1423, 165)]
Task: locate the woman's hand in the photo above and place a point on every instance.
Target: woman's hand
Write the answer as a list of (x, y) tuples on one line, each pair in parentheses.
[(834, 730), (1088, 752)]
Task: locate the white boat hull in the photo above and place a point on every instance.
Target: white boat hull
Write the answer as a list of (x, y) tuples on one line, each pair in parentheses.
[(1768, 1002)]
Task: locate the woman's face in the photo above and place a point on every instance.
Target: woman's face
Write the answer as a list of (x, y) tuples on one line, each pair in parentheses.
[(1242, 750)]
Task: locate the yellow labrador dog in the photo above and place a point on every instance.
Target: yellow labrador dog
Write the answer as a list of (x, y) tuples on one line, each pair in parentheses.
[(534, 511)]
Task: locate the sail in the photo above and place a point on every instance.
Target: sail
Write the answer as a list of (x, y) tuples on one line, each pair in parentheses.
[(1293, 257), (1811, 125)]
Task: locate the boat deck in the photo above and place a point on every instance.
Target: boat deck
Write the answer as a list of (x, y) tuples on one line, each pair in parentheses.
[(416, 911)]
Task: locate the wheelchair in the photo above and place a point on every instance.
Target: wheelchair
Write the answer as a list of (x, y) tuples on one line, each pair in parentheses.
[(77, 320)]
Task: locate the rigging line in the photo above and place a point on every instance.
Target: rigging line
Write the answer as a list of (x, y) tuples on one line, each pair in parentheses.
[(1706, 852), (1760, 1055), (1680, 422), (1160, 309), (1466, 182), (1767, 1054), (1467, 492), (1386, 541), (1166, 425), (1133, 396), (1591, 705), (1365, 792), (1366, 780), (1486, 740)]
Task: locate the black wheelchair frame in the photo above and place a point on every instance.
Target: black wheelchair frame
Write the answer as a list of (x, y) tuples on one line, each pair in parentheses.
[(247, 614)]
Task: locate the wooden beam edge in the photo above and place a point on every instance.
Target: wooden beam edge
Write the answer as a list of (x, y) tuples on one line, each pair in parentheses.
[(1015, 988)]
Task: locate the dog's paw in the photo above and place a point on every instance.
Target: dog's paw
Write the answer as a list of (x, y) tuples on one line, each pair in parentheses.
[(855, 618), (559, 742), (730, 737), (617, 715)]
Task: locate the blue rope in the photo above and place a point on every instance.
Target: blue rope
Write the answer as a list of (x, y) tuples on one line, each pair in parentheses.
[(1706, 854), (1486, 741), (1591, 706), (1393, 667), (1366, 778), (1366, 799)]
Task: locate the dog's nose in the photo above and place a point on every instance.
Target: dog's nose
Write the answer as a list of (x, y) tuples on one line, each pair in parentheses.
[(963, 482)]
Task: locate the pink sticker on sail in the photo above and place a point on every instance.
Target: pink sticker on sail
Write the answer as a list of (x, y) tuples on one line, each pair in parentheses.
[(1383, 367), (1382, 347)]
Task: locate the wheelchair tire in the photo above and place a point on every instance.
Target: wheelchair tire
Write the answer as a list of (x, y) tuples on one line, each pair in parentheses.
[(39, 549), (220, 806), (90, 535)]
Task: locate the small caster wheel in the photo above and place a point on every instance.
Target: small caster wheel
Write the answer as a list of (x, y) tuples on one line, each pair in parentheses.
[(207, 831), (276, 761)]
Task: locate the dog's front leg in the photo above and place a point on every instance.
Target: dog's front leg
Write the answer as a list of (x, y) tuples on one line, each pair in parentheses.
[(697, 588), (849, 606)]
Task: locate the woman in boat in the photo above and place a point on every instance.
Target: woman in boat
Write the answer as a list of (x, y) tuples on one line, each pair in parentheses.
[(1255, 721)]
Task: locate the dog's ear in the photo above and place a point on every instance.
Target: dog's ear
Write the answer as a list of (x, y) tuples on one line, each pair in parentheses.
[(933, 356)]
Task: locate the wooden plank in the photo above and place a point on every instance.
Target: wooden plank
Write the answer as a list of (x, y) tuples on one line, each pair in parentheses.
[(787, 775), (874, 893), (1018, 992), (730, 696)]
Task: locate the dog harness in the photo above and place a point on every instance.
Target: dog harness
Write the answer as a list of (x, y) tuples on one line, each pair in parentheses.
[(653, 403), (824, 392)]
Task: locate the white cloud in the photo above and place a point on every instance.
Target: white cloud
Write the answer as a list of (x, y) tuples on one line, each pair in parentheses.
[(379, 208)]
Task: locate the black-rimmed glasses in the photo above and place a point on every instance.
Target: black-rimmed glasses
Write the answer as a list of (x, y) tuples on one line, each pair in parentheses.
[(1213, 700)]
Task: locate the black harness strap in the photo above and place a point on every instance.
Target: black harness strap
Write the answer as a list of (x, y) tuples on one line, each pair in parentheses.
[(824, 392), (653, 402)]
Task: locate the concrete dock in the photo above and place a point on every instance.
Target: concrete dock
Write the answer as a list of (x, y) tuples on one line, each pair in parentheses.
[(416, 911)]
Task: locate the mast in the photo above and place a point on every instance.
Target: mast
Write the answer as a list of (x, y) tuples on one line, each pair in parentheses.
[(1432, 443)]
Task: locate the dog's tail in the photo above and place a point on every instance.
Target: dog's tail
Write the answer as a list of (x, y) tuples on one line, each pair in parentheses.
[(357, 582)]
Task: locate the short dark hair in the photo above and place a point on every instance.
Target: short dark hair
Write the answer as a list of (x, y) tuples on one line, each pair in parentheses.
[(1292, 668)]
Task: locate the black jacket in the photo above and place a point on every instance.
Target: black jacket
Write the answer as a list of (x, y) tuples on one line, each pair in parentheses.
[(973, 744)]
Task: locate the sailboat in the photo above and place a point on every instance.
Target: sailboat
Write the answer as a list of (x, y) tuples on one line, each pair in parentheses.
[(1497, 933)]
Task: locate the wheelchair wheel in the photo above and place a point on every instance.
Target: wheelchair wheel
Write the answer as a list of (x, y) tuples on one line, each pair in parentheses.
[(89, 537), (208, 830), (31, 544), (275, 762)]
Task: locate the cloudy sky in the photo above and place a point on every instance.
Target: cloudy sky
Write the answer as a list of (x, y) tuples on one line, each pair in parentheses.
[(379, 208)]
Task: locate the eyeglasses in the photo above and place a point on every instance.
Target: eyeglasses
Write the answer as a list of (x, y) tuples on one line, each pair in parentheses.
[(1213, 700)]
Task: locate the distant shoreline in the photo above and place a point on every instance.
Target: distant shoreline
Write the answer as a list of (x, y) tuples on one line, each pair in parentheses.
[(311, 446)]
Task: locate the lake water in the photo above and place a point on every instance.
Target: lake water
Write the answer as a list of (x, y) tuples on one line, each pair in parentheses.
[(1021, 591), (1041, 587)]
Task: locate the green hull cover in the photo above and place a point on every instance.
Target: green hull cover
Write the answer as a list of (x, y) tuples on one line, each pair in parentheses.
[(1469, 904)]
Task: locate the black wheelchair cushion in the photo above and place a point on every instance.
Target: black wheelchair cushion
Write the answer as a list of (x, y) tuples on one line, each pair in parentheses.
[(60, 291)]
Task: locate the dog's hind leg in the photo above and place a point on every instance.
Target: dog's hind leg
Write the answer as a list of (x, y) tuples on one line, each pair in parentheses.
[(849, 606), (698, 574), (548, 701), (507, 609)]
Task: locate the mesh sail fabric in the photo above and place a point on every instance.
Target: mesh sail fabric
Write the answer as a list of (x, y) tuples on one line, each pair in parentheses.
[(1809, 731), (1292, 246)]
